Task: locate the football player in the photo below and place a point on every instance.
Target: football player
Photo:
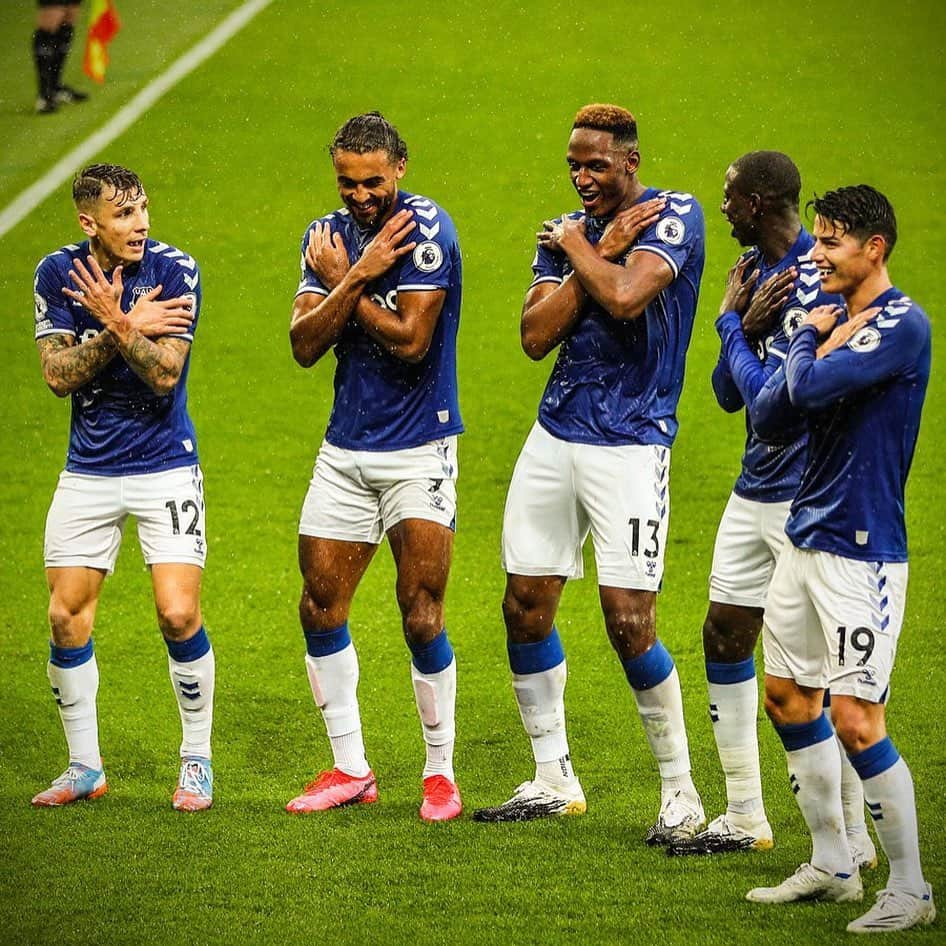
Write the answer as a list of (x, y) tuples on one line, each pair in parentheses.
[(770, 291), (836, 602), (115, 319), (381, 283), (614, 289)]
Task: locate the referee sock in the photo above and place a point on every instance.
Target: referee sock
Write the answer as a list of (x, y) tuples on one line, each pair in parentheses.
[(434, 678), (656, 687), (44, 56), (332, 667), (888, 791), (539, 673), (74, 676), (192, 670), (814, 773), (734, 708)]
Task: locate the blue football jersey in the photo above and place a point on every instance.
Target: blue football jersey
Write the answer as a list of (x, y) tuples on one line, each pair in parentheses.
[(863, 402), (771, 471), (382, 402), (119, 425), (618, 381)]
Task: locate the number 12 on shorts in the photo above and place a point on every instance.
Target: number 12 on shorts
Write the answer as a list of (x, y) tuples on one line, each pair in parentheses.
[(187, 506)]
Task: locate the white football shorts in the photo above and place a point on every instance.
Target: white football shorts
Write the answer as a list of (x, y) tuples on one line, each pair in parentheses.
[(748, 542), (561, 491), (833, 622), (87, 517), (358, 495)]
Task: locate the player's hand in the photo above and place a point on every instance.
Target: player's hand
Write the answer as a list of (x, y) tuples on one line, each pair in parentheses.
[(326, 256), (154, 317), (388, 246), (738, 287), (101, 296), (621, 233), (767, 302), (823, 318), (844, 332), (559, 236)]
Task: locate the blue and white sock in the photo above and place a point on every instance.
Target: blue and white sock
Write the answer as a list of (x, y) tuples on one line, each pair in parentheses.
[(434, 678), (734, 708), (74, 676), (332, 667), (852, 791), (814, 773), (888, 791), (656, 687), (539, 673), (192, 670)]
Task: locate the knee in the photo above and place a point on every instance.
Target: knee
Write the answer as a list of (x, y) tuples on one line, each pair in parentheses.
[(631, 631), (178, 620), (421, 616), (854, 726), (730, 633), (320, 608), (525, 619), (69, 626)]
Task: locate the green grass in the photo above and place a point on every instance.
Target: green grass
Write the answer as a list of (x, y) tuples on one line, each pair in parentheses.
[(235, 162)]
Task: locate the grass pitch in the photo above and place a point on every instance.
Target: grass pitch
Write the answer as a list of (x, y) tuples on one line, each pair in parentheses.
[(235, 162)]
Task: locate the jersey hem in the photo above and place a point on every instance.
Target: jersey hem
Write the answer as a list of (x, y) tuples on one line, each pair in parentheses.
[(190, 460), (342, 444), (891, 558), (615, 441)]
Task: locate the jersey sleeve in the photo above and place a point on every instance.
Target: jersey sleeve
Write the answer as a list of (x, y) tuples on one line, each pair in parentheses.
[(308, 281), (51, 308), (774, 418), (548, 266), (431, 263), (181, 278), (677, 233)]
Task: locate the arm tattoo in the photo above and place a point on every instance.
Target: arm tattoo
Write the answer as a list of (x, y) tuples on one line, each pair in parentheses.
[(67, 365), (159, 363)]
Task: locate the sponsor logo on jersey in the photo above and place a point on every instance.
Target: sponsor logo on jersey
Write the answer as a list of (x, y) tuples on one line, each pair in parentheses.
[(792, 319), (428, 256), (866, 340), (671, 230)]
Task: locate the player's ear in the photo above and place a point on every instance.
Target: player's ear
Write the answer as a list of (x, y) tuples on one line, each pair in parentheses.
[(875, 247), (632, 161), (401, 168), (87, 222)]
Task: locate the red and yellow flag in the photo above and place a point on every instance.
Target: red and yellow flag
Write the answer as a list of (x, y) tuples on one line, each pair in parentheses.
[(103, 25)]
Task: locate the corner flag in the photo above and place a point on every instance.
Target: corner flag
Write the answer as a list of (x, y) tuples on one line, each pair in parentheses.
[(103, 25)]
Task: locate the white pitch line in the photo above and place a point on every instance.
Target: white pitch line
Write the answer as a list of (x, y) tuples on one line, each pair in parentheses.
[(127, 115)]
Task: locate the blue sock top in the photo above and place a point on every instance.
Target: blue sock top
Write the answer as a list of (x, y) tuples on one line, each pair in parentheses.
[(323, 643), (797, 736), (433, 656), (875, 759), (70, 657), (737, 672), (185, 652), (650, 668), (537, 656)]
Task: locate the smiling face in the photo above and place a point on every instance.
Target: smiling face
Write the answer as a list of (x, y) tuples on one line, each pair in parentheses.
[(603, 175), (367, 184), (741, 210), (116, 224), (844, 261)]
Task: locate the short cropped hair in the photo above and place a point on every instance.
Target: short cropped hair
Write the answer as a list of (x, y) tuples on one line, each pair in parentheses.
[(369, 132), (90, 184), (618, 121), (860, 210), (770, 174)]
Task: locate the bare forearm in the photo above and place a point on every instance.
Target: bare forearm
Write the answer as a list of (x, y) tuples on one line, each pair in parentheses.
[(157, 364), (546, 323), (67, 367), (607, 283), (314, 332)]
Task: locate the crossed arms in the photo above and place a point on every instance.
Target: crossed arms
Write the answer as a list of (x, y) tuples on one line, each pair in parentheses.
[(317, 321), (551, 310), (140, 336)]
